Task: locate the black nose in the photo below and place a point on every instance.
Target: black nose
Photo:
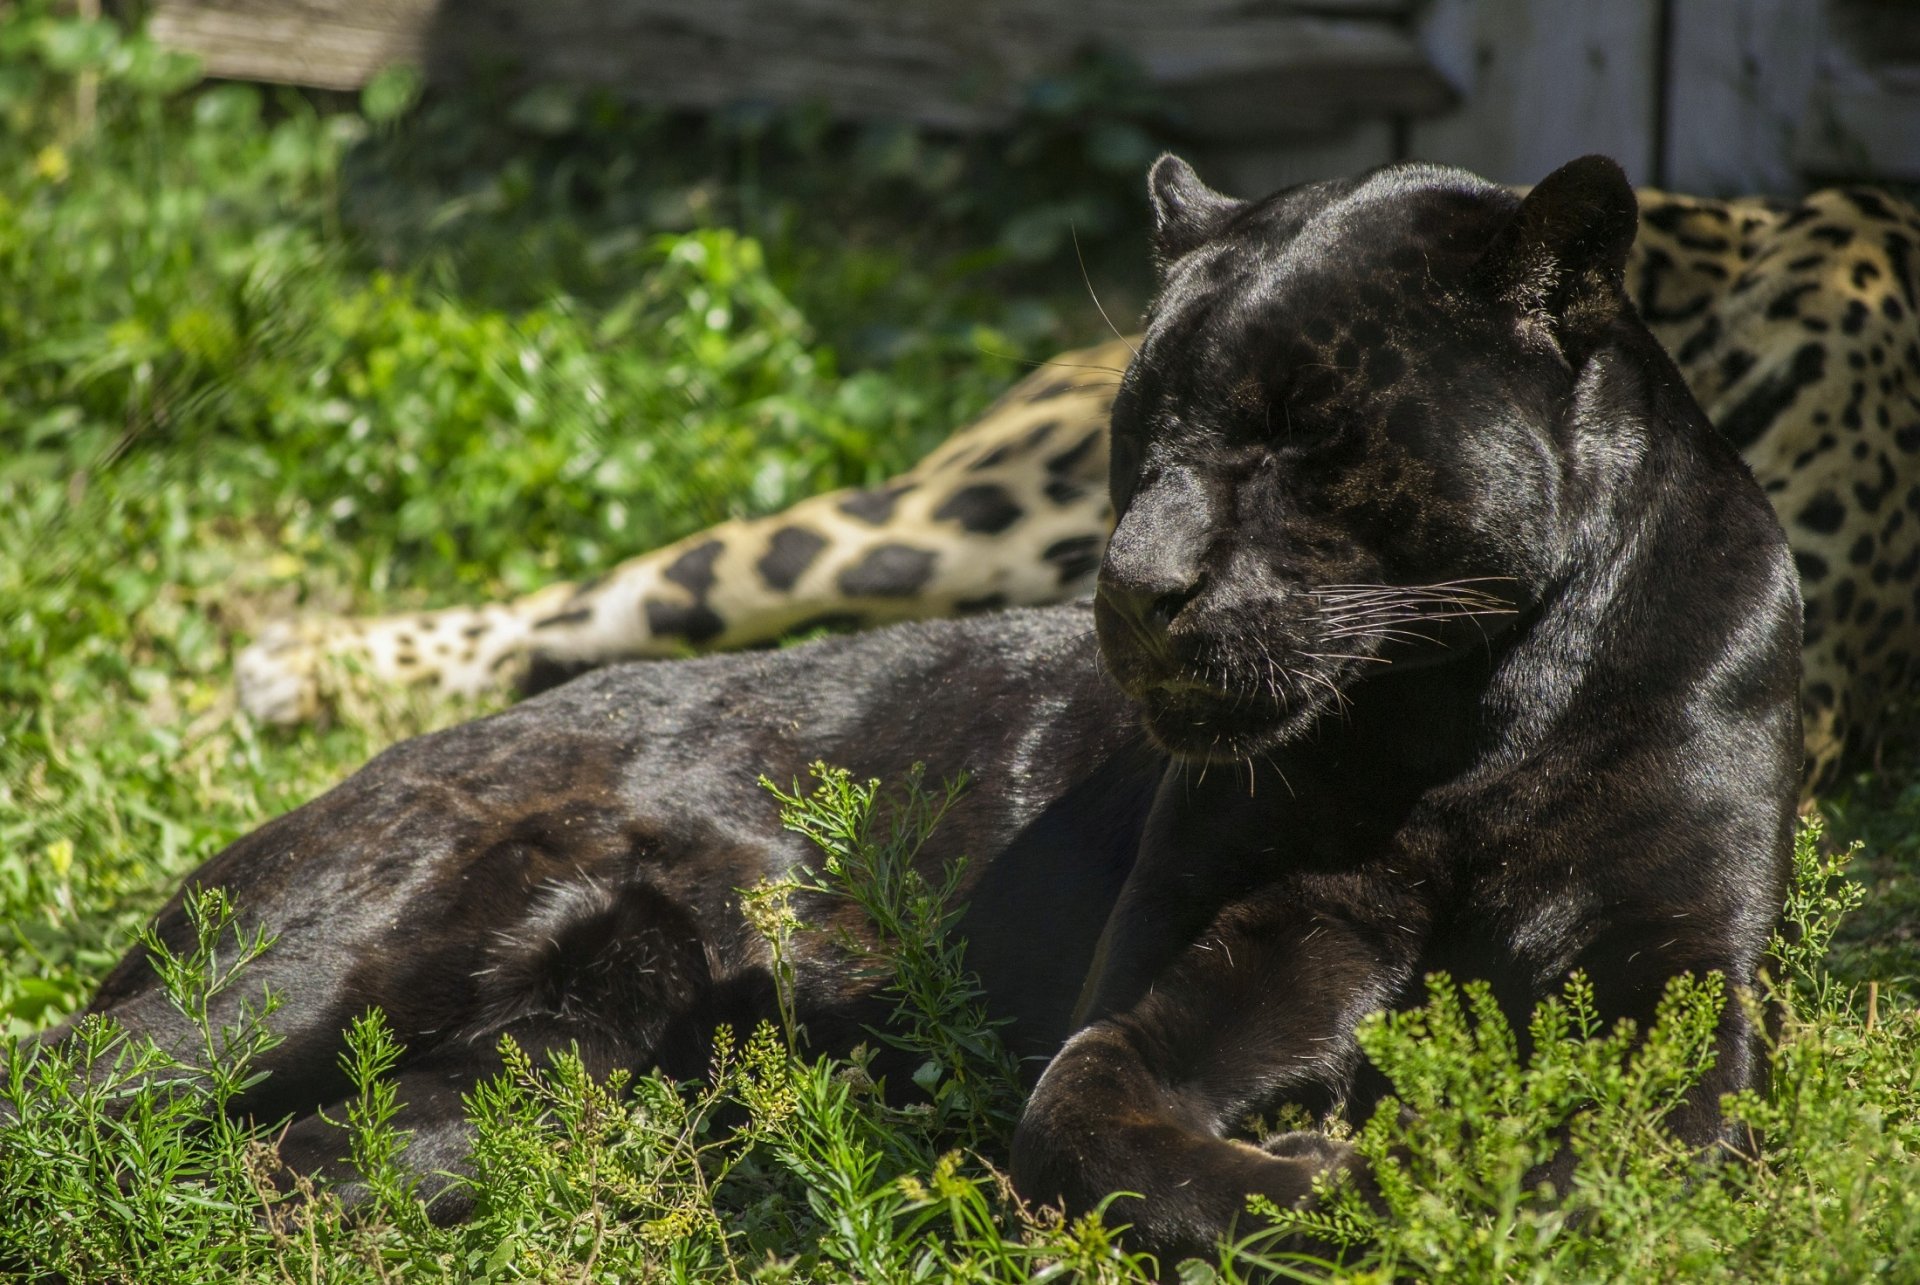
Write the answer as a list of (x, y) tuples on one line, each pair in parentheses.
[(1153, 562), (1148, 605)]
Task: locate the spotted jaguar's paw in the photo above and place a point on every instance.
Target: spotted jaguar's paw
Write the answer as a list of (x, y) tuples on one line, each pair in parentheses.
[(278, 674)]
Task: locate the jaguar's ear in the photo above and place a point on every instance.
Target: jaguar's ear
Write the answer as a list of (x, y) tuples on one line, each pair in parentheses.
[(1564, 252), (1186, 211)]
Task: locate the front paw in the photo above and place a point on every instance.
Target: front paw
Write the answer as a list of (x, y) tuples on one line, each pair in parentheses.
[(1307, 1144), (1184, 1191), (1340, 1161)]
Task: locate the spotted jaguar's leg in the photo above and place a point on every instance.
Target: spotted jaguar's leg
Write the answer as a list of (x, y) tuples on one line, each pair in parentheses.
[(290, 672), (1012, 510)]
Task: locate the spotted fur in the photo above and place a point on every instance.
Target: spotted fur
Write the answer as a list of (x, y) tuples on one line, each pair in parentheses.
[(1793, 323)]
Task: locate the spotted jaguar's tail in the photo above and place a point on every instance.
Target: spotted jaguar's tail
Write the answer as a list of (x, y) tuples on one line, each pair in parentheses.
[(1012, 509)]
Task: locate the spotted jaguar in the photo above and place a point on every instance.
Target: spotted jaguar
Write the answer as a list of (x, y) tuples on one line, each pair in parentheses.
[(1792, 322)]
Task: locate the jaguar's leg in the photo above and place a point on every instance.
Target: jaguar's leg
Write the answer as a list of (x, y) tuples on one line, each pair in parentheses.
[(1259, 1010), (1011, 510), (1020, 518)]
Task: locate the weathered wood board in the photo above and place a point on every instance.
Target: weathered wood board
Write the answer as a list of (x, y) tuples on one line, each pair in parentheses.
[(1543, 81), (1240, 69)]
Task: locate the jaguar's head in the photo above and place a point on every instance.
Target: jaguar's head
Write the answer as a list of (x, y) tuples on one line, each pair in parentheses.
[(1345, 445)]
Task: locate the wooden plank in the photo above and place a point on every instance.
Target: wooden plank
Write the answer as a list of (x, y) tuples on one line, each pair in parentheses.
[(315, 43), (1863, 118), (1543, 81), (1295, 77), (1239, 68), (1255, 169), (1741, 84)]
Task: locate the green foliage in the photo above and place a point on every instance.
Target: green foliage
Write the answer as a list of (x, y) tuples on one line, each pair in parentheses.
[(784, 1166), (1818, 1188), (905, 941), (1818, 903), (896, 240), (1466, 1197), (117, 1160), (1881, 813), (119, 1163)]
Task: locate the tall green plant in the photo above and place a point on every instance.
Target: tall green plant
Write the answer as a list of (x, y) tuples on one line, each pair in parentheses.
[(871, 860)]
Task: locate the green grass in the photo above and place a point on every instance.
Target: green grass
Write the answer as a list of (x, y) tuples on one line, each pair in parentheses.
[(259, 351)]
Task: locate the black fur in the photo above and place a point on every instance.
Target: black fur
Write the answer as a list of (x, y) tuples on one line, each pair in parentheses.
[(1451, 637)]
